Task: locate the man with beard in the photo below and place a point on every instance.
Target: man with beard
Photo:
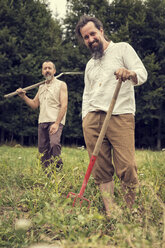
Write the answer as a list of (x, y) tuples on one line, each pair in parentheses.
[(110, 61), (52, 98)]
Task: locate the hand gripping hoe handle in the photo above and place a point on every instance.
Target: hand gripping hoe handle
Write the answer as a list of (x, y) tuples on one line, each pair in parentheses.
[(97, 147)]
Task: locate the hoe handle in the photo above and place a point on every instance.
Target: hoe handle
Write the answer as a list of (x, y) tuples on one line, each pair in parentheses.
[(26, 89), (42, 82), (100, 138), (107, 118), (87, 175)]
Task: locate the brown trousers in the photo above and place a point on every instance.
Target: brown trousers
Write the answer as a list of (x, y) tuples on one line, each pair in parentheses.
[(49, 145), (118, 147)]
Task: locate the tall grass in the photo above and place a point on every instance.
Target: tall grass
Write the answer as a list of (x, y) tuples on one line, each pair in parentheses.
[(34, 210)]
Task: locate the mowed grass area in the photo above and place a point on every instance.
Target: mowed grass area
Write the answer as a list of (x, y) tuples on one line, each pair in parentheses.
[(35, 211)]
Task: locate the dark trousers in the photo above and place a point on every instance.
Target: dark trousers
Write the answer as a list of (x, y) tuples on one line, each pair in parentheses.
[(49, 145)]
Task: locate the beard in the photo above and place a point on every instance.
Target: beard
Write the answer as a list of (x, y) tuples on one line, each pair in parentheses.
[(97, 51), (48, 76)]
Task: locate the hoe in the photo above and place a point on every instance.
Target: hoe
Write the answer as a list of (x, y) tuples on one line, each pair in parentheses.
[(96, 149), (42, 82)]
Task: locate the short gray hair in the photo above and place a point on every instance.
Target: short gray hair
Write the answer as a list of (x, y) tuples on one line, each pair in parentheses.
[(48, 61)]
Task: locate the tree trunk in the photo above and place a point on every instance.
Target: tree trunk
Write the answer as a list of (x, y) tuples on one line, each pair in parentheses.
[(22, 140), (2, 135), (158, 146)]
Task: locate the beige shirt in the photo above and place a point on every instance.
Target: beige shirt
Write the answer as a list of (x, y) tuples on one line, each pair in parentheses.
[(100, 81), (49, 98)]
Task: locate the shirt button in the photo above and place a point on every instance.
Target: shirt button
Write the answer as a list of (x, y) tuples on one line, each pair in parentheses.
[(99, 84)]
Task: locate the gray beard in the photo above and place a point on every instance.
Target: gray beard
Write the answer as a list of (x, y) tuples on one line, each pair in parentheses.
[(48, 77), (97, 52)]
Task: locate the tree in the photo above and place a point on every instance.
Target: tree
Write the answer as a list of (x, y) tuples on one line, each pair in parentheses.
[(28, 36), (153, 95)]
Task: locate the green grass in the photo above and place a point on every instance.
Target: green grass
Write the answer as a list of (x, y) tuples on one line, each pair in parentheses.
[(27, 193)]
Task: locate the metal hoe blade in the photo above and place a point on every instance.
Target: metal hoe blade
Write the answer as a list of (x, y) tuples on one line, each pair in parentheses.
[(78, 196), (86, 178)]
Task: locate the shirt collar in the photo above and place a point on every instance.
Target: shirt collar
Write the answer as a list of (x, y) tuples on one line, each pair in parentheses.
[(111, 43), (50, 83)]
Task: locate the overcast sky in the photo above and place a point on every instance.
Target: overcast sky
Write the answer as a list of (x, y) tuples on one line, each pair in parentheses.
[(58, 6)]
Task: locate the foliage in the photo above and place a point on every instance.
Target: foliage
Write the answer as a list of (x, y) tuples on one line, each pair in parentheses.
[(29, 35), (34, 208), (151, 101)]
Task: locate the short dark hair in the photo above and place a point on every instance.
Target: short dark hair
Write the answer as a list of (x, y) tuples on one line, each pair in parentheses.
[(83, 21)]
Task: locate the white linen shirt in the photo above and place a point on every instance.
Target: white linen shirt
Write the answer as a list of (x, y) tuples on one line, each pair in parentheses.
[(100, 81)]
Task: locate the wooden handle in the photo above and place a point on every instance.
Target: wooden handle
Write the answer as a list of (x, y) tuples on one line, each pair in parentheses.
[(107, 118), (30, 87), (42, 82), (26, 89)]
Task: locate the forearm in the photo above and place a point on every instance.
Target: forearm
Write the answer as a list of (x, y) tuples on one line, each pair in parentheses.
[(30, 102), (33, 103), (64, 103), (61, 115), (54, 127)]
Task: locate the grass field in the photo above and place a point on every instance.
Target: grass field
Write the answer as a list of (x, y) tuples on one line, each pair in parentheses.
[(34, 210)]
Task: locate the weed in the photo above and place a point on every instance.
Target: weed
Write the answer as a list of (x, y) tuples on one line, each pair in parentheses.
[(34, 210)]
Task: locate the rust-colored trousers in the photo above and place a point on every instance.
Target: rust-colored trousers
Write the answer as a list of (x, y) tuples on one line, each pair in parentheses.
[(117, 152)]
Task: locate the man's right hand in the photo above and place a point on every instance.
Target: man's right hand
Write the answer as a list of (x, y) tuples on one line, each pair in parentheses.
[(21, 92)]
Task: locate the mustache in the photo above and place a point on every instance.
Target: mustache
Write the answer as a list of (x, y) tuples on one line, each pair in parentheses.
[(48, 74), (94, 41)]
